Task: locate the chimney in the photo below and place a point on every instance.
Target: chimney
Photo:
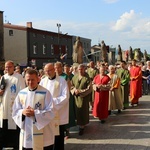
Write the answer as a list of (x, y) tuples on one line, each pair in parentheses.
[(29, 24)]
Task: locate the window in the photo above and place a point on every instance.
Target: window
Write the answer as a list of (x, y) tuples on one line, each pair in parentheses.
[(60, 48), (34, 35), (66, 49), (11, 33), (87, 45), (66, 52), (44, 49), (52, 49), (35, 48)]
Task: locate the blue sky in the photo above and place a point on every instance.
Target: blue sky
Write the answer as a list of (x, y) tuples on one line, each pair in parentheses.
[(117, 22)]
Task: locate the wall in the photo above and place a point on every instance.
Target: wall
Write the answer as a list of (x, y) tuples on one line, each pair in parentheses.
[(15, 46)]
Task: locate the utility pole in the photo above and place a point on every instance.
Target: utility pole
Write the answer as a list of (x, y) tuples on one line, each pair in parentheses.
[(59, 25)]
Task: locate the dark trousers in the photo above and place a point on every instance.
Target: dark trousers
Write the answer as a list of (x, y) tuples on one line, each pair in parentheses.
[(9, 138), (45, 148), (145, 87), (59, 140)]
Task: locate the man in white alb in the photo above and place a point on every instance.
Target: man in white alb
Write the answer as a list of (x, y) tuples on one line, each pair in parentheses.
[(58, 87), (33, 113), (14, 82)]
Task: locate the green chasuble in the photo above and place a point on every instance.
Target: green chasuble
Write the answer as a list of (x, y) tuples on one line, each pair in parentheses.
[(92, 72), (124, 76), (82, 99)]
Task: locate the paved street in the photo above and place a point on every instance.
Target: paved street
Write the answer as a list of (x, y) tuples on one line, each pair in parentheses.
[(129, 130)]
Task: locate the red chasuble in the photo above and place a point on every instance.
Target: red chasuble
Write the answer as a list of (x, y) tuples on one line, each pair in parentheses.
[(101, 98), (135, 84)]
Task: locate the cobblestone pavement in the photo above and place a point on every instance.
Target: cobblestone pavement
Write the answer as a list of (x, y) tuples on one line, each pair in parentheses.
[(129, 130)]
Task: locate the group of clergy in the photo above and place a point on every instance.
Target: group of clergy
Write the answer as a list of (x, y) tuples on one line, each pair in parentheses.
[(116, 87), (59, 97)]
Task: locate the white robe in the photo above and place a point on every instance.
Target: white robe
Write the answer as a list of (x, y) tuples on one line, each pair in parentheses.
[(14, 84), (61, 102), (43, 116)]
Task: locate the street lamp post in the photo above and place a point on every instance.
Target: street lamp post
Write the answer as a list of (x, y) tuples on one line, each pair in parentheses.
[(59, 25)]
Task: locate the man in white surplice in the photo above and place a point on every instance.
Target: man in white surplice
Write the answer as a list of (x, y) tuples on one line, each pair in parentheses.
[(14, 82), (33, 113), (59, 89)]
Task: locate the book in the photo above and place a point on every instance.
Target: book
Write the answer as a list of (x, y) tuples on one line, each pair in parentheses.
[(3, 83)]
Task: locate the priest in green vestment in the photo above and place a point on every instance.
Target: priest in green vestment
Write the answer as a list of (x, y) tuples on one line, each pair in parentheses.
[(124, 76), (81, 88)]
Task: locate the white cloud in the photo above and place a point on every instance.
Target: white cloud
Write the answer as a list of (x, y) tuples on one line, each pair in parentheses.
[(133, 26), (126, 21), (133, 29)]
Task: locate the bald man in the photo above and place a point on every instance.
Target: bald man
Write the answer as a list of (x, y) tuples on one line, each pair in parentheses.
[(58, 88)]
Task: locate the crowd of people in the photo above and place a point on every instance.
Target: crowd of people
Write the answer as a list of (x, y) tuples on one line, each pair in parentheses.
[(43, 104)]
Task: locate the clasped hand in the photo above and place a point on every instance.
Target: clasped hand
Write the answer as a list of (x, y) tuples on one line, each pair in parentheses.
[(28, 112), (98, 86), (77, 91), (1, 92)]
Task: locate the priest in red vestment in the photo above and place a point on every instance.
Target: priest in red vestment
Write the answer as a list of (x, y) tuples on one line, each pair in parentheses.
[(135, 83), (101, 86)]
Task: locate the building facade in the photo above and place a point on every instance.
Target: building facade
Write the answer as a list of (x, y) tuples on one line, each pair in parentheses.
[(15, 44), (1, 43), (27, 46)]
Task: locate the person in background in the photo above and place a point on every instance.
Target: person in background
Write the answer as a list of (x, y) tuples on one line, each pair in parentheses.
[(92, 71), (81, 89), (75, 68), (98, 64), (129, 66), (59, 71), (101, 86), (41, 73), (145, 79), (148, 68), (59, 90), (18, 69), (123, 74), (9, 132), (135, 83), (33, 114), (106, 68), (115, 100), (71, 103)]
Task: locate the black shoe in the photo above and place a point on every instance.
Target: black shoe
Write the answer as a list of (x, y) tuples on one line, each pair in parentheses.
[(109, 112), (124, 108), (81, 131), (119, 111), (67, 134), (102, 121)]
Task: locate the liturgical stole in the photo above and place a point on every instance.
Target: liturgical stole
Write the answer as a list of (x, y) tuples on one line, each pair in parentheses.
[(38, 103)]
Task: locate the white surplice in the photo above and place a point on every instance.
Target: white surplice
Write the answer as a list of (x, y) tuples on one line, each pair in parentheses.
[(43, 115), (14, 83), (59, 90)]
